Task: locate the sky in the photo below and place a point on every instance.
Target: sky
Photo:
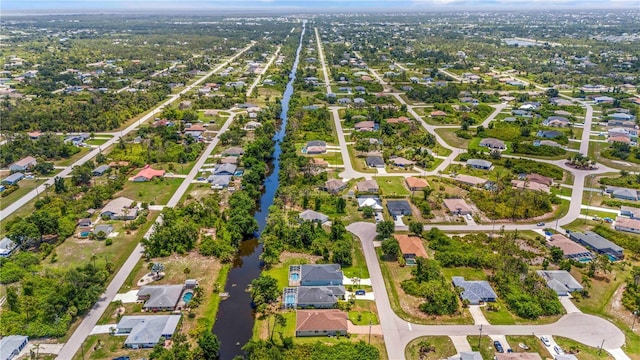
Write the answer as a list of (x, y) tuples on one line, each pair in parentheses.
[(311, 5)]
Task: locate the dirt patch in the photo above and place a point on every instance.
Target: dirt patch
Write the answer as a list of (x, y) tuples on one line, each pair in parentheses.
[(618, 310), (311, 259)]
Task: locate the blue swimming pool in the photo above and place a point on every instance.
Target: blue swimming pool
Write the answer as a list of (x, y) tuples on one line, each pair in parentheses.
[(238, 173), (85, 233), (295, 277), (187, 297), (289, 299)]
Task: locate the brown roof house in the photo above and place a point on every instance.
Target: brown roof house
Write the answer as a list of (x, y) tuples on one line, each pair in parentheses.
[(438, 113), (537, 178), (368, 186), (416, 184), (365, 126), (457, 206), (411, 248), (334, 186), (401, 162), (329, 322), (570, 248)]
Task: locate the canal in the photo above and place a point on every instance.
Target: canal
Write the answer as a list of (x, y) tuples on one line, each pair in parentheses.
[(234, 321)]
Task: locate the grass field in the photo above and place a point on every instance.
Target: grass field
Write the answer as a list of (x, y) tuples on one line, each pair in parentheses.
[(26, 185), (392, 186), (581, 351), (532, 342), (67, 162), (156, 192), (450, 137), (442, 347)]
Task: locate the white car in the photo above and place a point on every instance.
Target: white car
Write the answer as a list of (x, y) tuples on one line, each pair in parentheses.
[(545, 341), (558, 350)]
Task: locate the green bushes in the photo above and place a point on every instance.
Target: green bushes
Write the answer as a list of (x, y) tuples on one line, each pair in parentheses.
[(429, 283), (513, 203), (542, 150)]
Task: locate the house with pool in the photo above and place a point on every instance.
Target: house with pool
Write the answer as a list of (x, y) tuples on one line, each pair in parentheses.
[(317, 286), (167, 297)]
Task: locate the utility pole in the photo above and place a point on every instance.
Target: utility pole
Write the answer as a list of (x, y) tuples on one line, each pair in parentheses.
[(369, 331), (635, 316), (601, 346), (480, 337)]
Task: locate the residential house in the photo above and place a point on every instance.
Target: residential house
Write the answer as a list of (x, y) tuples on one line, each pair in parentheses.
[(399, 120), (479, 164), (518, 356), (252, 125), (476, 292), (225, 169), (560, 281), (621, 123), (470, 180), (365, 126), (367, 186), (120, 209), (411, 247), (398, 208), (23, 164), (233, 151), (416, 184), (548, 134), (628, 225), (522, 113), (321, 275), (539, 179), (527, 185), (229, 160), (147, 174), (561, 102), (145, 331), (622, 193), (104, 228), (401, 162), (570, 249), (598, 244), (12, 345), (160, 297), (314, 216), (603, 99), (334, 186), (493, 144), (315, 147), (546, 143), (100, 170), (219, 182), (13, 179), (344, 101), (438, 113), (86, 222), (318, 297), (34, 135), (558, 121), (630, 211), (372, 202), (7, 246), (374, 161), (466, 355), (321, 323), (618, 139), (622, 117), (457, 206)]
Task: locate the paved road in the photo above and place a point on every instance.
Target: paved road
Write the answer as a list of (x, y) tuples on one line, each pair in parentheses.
[(324, 64), (264, 71), (33, 193), (91, 319), (587, 329)]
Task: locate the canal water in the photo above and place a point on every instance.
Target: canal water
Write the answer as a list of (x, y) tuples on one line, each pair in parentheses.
[(234, 322)]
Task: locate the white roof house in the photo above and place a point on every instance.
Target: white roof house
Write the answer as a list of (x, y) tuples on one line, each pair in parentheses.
[(145, 331)]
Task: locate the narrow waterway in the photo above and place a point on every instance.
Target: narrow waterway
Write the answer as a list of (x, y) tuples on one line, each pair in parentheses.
[(234, 322)]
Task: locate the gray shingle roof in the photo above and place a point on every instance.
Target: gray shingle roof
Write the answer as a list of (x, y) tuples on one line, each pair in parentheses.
[(479, 162), (320, 272), (223, 169), (595, 241), (310, 215), (474, 291), (10, 346), (319, 294), (148, 329), (398, 206), (560, 280), (161, 296)]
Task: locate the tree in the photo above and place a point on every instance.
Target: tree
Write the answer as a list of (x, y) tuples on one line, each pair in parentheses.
[(391, 248), (157, 268), (209, 346), (264, 290), (59, 185), (337, 230), (556, 254), (24, 233), (368, 212), (416, 227), (385, 229), (186, 272)]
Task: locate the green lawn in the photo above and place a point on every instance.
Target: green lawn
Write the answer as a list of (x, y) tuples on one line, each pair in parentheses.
[(486, 346), (450, 137), (156, 192), (581, 351), (442, 348), (67, 162), (25, 186), (96, 141), (502, 316), (532, 342), (363, 318), (281, 271), (392, 186)]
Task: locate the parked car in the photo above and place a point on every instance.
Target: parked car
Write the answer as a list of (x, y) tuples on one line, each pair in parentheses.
[(540, 224), (608, 220), (545, 341), (122, 358), (360, 292), (498, 346), (558, 350), (596, 218)]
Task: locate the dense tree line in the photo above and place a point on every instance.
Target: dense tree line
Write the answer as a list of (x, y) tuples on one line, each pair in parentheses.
[(46, 147), (429, 284), (48, 301), (85, 112), (264, 350)]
